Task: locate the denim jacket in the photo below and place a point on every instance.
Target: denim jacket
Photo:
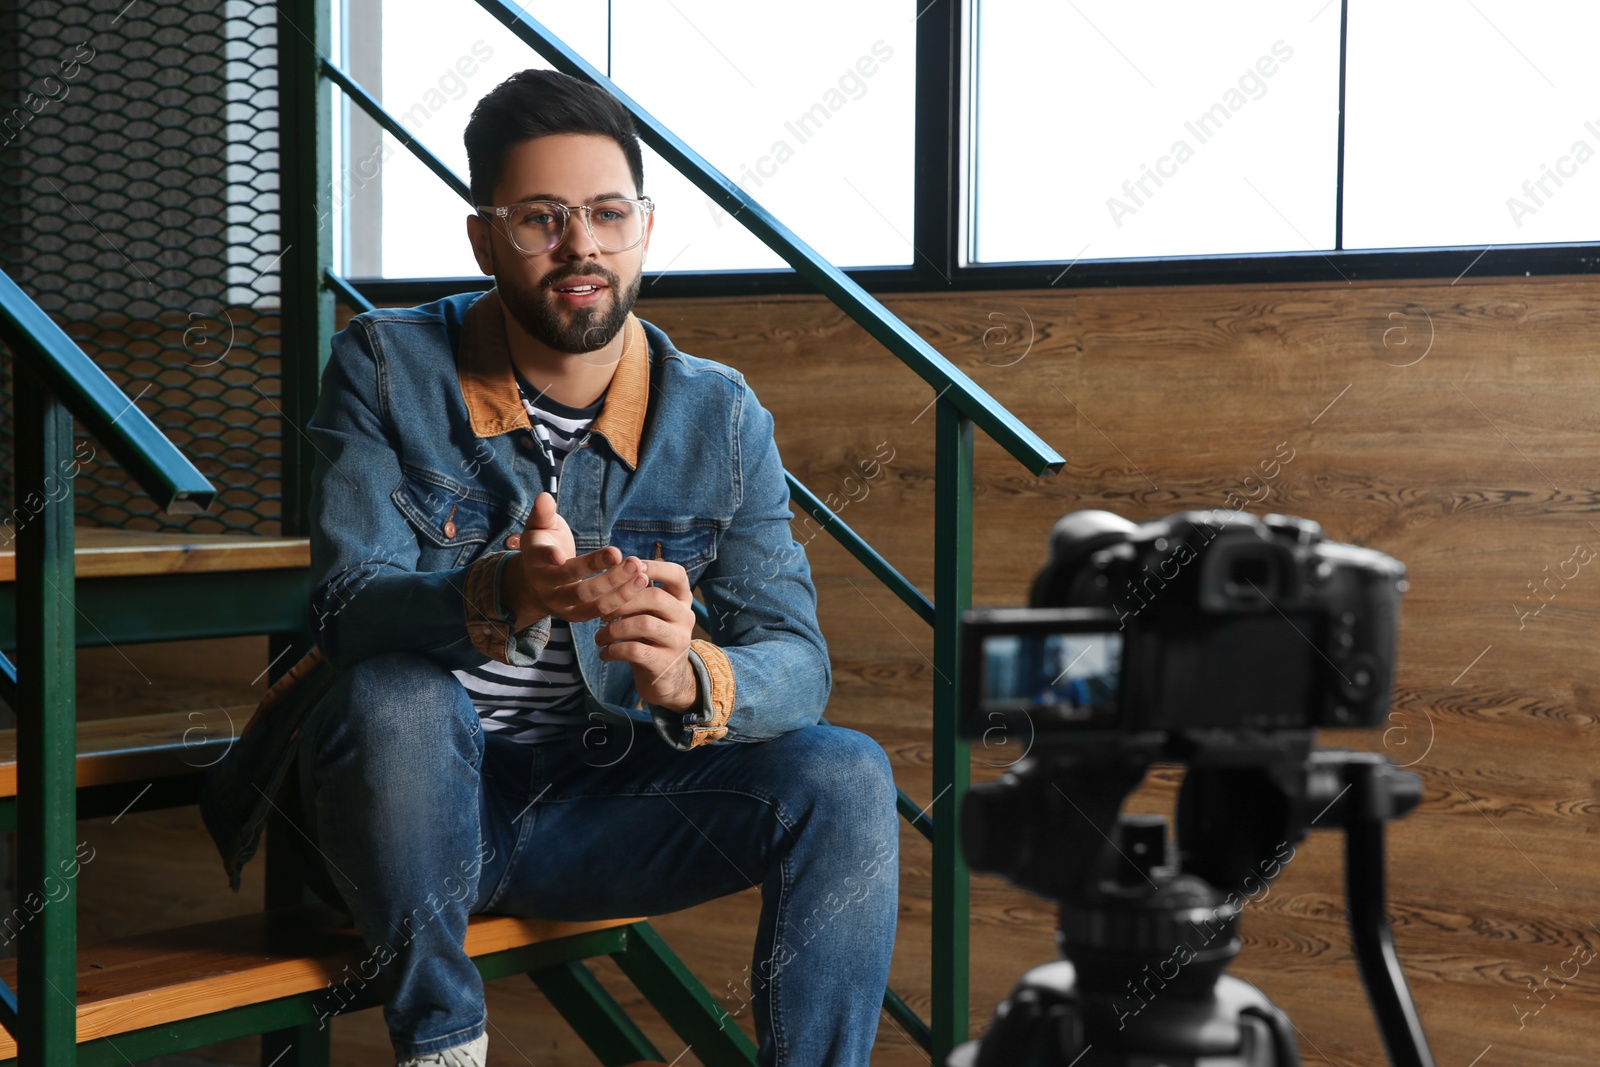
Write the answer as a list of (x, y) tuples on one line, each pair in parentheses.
[(425, 465)]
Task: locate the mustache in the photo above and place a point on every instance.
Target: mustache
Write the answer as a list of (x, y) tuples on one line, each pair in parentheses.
[(568, 273)]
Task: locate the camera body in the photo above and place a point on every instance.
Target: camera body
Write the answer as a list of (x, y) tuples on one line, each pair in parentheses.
[(1201, 621)]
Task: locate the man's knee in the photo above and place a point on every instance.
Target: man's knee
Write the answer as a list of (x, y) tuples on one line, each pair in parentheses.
[(401, 676), (398, 702), (845, 766), (861, 763)]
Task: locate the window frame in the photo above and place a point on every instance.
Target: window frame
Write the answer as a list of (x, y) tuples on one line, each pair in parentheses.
[(944, 94)]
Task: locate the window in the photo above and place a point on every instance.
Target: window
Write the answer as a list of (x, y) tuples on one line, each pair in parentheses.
[(1105, 130), (809, 109), (1212, 129), (1164, 140), (434, 70), (1488, 135)]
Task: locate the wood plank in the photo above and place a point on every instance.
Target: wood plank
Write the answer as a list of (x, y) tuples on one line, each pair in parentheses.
[(139, 747), (102, 552), (169, 975)]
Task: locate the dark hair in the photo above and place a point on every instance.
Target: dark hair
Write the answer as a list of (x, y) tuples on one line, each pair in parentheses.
[(537, 103)]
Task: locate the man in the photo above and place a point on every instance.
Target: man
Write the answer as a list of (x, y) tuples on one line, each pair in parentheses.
[(514, 495)]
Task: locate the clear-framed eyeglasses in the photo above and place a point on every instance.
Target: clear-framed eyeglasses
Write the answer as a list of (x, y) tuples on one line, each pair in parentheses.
[(616, 224)]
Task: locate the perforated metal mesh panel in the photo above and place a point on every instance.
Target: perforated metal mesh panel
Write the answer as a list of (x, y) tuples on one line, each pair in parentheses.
[(138, 200)]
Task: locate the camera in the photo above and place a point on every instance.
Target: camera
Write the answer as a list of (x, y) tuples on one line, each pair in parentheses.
[(1221, 642), (1204, 620)]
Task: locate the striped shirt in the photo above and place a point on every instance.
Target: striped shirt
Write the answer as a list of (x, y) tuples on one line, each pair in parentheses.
[(543, 702)]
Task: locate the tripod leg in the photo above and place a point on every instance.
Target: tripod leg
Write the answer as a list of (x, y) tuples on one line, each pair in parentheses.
[(1364, 874)]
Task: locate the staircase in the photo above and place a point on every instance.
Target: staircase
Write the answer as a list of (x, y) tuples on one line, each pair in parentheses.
[(270, 973)]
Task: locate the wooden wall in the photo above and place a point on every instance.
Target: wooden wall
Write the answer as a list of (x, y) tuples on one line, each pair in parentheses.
[(1450, 425)]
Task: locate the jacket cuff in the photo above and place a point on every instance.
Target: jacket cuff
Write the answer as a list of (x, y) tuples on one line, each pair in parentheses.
[(706, 723), (720, 669), (489, 623)]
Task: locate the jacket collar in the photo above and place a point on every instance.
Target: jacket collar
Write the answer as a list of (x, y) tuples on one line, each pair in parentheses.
[(489, 387)]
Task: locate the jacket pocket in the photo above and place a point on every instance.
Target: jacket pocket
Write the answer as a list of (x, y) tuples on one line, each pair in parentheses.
[(690, 543), (452, 521)]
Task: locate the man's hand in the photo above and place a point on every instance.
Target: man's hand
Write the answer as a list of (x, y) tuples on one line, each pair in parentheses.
[(548, 578), (651, 632)]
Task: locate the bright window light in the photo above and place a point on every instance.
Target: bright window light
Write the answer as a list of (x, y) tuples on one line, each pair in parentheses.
[(1097, 130), (434, 71), (1110, 130), (808, 110), (1472, 123)]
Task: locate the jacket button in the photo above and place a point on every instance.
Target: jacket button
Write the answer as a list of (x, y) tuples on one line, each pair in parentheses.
[(514, 541), (449, 528)]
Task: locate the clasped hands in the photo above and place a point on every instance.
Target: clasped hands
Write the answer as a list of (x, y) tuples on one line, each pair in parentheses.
[(647, 626)]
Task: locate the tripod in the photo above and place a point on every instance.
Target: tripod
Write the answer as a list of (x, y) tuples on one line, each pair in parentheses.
[(1145, 940)]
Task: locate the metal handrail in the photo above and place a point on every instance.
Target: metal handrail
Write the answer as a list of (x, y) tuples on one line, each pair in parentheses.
[(882, 569), (347, 292), (105, 411), (367, 103), (57, 381)]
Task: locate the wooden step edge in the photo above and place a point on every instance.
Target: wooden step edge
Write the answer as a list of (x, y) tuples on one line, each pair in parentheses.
[(132, 748), (205, 993), (102, 553)]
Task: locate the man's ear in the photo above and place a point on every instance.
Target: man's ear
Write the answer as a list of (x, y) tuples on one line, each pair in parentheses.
[(649, 228), (481, 238)]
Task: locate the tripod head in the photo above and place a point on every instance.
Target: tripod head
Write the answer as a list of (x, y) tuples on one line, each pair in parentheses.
[(1147, 928)]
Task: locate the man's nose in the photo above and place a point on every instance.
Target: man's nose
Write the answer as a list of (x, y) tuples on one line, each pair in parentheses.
[(577, 242)]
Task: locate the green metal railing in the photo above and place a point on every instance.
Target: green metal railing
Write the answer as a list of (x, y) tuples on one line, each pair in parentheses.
[(55, 381), (960, 403)]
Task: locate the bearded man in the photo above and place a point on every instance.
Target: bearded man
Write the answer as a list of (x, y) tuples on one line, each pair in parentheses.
[(515, 494)]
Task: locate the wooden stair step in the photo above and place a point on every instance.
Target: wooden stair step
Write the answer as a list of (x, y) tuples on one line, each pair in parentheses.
[(140, 747), (103, 552), (171, 975)]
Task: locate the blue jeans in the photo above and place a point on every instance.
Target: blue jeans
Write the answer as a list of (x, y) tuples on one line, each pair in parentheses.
[(415, 817)]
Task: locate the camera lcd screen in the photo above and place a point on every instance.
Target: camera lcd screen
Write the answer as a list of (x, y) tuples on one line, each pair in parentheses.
[(1074, 675)]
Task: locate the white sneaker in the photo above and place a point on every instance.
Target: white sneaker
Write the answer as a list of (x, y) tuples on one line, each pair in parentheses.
[(474, 1053)]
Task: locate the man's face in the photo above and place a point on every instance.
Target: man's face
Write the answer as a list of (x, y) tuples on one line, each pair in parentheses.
[(575, 297)]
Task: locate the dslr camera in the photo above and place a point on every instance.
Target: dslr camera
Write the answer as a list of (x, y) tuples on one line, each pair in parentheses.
[(1205, 620), (1221, 642)]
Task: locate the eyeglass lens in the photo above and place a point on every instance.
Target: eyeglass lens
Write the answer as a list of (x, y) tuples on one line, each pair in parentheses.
[(617, 225)]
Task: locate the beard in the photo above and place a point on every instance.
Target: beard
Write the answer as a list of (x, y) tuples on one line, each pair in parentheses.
[(577, 331)]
